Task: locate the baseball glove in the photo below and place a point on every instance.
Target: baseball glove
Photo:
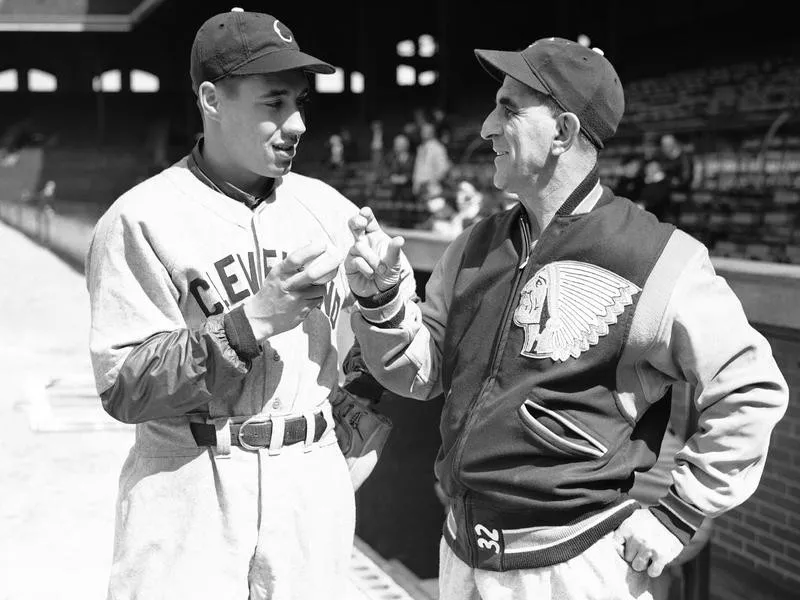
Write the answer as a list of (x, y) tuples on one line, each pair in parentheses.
[(361, 432)]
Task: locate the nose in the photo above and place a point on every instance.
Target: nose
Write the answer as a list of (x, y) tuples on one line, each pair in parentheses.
[(490, 128), (295, 125)]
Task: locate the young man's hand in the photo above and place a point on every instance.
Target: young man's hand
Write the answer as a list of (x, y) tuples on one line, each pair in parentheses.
[(374, 263), (292, 289), (645, 543)]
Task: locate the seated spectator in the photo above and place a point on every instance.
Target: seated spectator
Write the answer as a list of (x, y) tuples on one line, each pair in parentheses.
[(631, 181), (469, 204), (677, 164), (376, 143), (431, 162), (398, 167), (335, 152), (655, 193), (349, 146), (442, 217), (443, 129)]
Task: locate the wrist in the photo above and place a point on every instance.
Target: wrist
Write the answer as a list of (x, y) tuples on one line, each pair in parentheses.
[(260, 326), (385, 309)]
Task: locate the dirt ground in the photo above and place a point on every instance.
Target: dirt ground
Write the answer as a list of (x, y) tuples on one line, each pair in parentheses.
[(58, 488)]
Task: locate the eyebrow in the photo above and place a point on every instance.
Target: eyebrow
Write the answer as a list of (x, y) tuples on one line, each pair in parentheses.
[(506, 101), (282, 92)]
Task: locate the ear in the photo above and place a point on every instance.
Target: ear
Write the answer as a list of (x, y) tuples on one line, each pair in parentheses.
[(568, 127), (208, 99)]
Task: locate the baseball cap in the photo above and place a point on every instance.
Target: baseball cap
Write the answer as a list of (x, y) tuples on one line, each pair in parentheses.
[(247, 43), (580, 80)]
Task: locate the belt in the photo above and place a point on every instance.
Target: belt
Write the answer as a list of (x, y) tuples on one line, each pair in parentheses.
[(253, 435)]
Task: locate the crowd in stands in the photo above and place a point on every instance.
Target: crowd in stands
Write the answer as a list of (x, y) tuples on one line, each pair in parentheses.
[(413, 179), (728, 172), (715, 151)]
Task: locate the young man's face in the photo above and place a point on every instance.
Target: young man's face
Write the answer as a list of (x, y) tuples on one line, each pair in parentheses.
[(262, 119), (521, 129)]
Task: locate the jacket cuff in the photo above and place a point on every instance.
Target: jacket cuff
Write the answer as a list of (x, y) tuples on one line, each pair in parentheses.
[(385, 309), (681, 518), (240, 335)]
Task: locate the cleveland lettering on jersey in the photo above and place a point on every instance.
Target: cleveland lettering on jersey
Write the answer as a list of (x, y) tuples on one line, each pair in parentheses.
[(238, 278)]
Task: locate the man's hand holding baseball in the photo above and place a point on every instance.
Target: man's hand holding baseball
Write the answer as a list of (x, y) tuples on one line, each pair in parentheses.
[(645, 543), (374, 263), (292, 289)]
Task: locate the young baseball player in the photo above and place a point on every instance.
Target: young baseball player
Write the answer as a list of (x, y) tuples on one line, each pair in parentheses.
[(216, 291), (554, 330)]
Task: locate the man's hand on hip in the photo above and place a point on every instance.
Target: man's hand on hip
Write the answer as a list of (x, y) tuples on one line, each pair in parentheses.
[(374, 263), (645, 543), (292, 289)]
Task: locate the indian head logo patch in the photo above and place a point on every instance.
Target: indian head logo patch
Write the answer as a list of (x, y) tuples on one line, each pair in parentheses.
[(567, 306)]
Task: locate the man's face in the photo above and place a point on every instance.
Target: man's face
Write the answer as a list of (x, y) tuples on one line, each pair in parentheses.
[(521, 129), (262, 119)]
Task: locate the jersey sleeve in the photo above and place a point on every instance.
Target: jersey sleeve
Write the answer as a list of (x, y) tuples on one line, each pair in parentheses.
[(147, 363)]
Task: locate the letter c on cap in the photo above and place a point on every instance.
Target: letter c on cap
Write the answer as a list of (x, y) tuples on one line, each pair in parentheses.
[(288, 40)]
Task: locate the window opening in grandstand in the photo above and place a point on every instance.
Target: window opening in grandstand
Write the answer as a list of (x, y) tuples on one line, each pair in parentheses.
[(427, 45), (143, 82), (406, 75), (357, 82), (109, 81), (330, 84), (41, 81), (427, 77), (406, 48), (8, 80)]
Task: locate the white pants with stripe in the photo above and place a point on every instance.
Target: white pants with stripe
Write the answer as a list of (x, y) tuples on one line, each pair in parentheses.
[(597, 574), (249, 525)]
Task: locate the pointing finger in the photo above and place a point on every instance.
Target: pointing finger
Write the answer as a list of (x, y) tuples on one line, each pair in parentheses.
[(323, 265), (392, 258), (297, 259)]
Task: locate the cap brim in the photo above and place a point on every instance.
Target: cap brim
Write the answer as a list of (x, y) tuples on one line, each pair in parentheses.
[(499, 63), (284, 60)]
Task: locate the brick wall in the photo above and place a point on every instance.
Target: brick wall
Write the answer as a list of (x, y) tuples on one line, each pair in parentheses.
[(764, 533)]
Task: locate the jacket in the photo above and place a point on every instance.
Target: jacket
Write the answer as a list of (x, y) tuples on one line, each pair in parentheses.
[(553, 354)]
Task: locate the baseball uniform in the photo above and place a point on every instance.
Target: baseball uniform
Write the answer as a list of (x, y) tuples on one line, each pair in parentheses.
[(169, 264)]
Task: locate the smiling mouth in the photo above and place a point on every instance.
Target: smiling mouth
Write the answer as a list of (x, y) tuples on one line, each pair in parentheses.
[(288, 151)]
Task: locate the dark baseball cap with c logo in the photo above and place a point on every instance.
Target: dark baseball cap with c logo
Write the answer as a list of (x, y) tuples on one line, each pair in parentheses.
[(247, 43)]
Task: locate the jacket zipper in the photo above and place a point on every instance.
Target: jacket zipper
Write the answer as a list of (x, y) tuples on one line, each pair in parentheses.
[(520, 271)]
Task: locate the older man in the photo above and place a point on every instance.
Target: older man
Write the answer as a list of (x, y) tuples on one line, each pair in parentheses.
[(554, 330)]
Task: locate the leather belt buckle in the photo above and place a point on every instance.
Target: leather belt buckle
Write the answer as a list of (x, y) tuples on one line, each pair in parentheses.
[(255, 420)]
